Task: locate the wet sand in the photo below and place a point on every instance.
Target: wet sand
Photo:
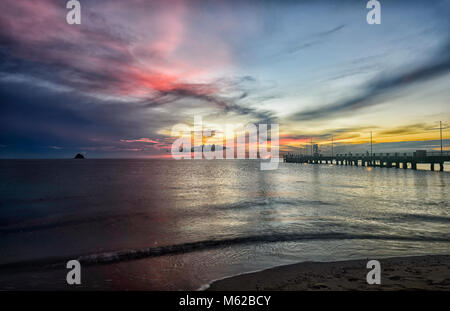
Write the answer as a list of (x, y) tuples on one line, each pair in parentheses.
[(398, 273)]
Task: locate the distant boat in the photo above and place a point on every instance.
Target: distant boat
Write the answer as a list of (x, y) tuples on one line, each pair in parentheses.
[(79, 156)]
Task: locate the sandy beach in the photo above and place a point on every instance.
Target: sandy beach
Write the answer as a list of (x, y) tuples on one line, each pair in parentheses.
[(398, 273)]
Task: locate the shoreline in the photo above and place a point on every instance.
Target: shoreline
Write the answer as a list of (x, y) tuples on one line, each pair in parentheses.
[(427, 272)]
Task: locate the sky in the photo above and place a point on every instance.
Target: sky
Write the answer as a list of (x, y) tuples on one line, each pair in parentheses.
[(115, 85)]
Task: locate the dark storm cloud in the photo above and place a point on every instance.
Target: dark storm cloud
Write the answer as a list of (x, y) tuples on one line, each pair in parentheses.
[(44, 119), (37, 118)]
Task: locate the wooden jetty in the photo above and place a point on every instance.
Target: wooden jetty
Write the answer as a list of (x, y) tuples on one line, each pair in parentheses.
[(390, 160)]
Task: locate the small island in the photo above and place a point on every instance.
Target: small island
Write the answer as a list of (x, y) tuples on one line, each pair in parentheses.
[(79, 156)]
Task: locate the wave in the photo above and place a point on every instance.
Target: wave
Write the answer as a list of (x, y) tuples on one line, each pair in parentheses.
[(147, 252), (268, 202), (421, 217), (69, 222), (29, 227)]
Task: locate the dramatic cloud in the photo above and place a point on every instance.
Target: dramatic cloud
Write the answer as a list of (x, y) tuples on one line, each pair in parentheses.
[(116, 84), (438, 64)]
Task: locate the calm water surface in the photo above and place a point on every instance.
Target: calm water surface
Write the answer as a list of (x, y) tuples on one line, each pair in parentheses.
[(243, 219)]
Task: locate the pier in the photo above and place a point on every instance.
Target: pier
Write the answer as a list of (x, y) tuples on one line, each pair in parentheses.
[(389, 160)]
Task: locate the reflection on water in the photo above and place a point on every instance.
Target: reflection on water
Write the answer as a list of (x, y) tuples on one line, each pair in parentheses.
[(63, 208)]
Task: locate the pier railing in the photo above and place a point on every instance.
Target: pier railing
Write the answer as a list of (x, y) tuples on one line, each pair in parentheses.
[(395, 159)]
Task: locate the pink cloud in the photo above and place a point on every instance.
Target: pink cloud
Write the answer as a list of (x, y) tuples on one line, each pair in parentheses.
[(143, 140), (129, 48)]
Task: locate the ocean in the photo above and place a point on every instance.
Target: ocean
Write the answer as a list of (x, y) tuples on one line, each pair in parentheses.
[(178, 225)]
